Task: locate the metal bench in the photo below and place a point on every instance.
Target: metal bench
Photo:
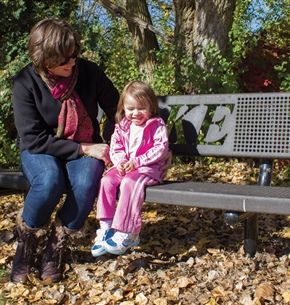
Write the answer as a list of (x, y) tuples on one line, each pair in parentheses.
[(255, 125)]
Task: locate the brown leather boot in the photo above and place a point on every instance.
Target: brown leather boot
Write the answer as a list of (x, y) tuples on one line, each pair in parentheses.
[(25, 252), (52, 264)]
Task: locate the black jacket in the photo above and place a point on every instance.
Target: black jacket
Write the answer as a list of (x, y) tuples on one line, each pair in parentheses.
[(36, 111)]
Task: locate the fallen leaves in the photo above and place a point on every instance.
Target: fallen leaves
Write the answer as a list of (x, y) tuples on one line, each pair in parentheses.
[(265, 291), (186, 256)]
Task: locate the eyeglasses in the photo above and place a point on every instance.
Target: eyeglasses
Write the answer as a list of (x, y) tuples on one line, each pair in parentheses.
[(73, 56)]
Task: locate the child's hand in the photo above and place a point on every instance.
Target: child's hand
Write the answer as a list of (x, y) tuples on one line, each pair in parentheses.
[(120, 168), (129, 166)]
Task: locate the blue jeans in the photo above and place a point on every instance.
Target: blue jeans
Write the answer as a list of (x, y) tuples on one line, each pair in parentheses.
[(50, 178)]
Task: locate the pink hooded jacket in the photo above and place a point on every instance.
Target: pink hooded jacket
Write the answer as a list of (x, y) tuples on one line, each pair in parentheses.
[(153, 148)]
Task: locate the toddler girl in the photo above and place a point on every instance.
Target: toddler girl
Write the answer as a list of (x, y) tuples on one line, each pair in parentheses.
[(139, 146)]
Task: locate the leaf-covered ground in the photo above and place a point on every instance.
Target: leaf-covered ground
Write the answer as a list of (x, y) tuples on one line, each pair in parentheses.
[(186, 255)]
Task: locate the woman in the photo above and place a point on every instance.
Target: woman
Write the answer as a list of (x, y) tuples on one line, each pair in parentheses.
[(55, 100)]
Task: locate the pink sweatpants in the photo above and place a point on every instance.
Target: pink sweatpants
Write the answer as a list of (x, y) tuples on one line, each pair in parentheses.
[(126, 214)]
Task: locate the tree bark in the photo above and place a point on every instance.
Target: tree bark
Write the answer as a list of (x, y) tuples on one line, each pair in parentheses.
[(118, 11), (212, 23), (144, 41), (199, 23), (184, 19)]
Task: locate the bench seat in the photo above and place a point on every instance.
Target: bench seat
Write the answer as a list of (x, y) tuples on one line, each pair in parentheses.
[(240, 198), (12, 179)]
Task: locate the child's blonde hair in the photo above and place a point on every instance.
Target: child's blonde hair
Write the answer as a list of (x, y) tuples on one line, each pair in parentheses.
[(143, 94)]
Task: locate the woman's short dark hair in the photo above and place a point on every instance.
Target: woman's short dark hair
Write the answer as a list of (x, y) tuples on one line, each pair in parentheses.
[(50, 41)]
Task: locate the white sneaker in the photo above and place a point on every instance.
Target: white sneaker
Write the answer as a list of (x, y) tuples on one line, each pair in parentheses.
[(98, 248), (121, 242)]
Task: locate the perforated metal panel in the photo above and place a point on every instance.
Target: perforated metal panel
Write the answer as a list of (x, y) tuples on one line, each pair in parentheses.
[(232, 125), (262, 125)]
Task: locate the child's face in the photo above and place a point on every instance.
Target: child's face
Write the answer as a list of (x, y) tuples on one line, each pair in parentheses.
[(135, 112)]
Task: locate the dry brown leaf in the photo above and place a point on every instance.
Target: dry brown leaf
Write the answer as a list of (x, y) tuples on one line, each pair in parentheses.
[(213, 251), (126, 303), (141, 299), (143, 280), (37, 296), (219, 292), (265, 291), (212, 302), (160, 301), (256, 301), (184, 282)]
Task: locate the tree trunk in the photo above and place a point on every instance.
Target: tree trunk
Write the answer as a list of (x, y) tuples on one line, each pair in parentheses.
[(199, 23), (212, 23), (183, 36), (143, 40)]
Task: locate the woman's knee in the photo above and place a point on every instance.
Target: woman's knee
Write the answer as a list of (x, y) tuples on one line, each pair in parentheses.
[(85, 173), (50, 181), (44, 172)]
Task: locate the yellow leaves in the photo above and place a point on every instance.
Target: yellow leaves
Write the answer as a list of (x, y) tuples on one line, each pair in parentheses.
[(151, 214), (285, 232), (286, 296), (6, 223)]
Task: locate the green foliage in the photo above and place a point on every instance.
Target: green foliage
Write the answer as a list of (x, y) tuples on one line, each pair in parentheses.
[(223, 75), (163, 76), (284, 75), (17, 19), (120, 64), (9, 154)]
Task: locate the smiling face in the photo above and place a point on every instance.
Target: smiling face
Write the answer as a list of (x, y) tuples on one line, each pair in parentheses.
[(136, 112), (64, 70)]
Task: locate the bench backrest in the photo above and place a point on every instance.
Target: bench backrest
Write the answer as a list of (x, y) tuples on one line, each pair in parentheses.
[(228, 125)]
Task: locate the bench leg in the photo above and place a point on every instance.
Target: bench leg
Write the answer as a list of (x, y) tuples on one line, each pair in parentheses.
[(251, 235), (251, 224), (251, 219)]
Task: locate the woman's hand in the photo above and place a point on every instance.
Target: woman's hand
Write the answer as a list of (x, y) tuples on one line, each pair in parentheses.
[(96, 150), (167, 164)]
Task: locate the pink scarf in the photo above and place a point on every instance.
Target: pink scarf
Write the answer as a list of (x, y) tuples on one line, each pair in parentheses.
[(74, 122)]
